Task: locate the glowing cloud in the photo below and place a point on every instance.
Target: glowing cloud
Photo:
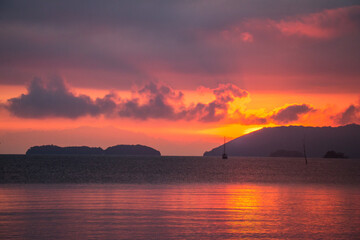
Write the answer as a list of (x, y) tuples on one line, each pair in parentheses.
[(158, 103), (350, 115), (54, 99), (326, 24), (161, 101), (291, 113), (153, 101)]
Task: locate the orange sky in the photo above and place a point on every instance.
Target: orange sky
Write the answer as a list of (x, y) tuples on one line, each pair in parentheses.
[(171, 137), (176, 76)]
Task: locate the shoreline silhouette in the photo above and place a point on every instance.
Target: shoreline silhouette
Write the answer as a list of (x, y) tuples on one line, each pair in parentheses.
[(126, 150), (287, 141)]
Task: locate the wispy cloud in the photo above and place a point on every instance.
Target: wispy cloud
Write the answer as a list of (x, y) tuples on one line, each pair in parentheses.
[(326, 24)]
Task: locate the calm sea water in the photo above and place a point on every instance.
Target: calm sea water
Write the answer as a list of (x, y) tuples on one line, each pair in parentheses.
[(197, 210)]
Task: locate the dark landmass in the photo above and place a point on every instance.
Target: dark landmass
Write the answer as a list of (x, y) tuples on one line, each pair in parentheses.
[(128, 150), (156, 169), (286, 153), (318, 140), (132, 150), (53, 149), (333, 154)]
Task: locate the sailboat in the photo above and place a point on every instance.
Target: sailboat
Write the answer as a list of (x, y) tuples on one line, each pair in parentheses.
[(224, 156)]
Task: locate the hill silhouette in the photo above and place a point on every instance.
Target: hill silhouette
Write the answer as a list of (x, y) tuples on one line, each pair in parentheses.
[(128, 150), (131, 150), (318, 141)]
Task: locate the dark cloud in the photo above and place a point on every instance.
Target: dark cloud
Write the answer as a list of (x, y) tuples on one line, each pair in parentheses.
[(159, 101), (217, 109), (291, 113), (53, 99), (285, 115), (252, 119), (350, 115), (156, 13), (134, 40), (153, 101)]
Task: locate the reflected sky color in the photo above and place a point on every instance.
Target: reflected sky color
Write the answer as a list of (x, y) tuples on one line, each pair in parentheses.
[(210, 211)]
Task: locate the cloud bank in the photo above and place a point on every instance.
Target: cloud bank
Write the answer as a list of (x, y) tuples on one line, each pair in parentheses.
[(52, 98), (161, 101), (153, 101), (300, 44)]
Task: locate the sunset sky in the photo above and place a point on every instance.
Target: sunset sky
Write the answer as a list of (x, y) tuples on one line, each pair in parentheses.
[(173, 75)]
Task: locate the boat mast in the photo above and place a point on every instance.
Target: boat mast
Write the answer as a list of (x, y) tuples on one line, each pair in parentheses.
[(224, 146), (224, 156)]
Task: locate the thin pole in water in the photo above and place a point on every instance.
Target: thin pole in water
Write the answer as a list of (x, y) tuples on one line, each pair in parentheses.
[(304, 150)]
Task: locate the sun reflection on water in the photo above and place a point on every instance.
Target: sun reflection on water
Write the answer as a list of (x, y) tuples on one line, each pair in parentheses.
[(180, 211)]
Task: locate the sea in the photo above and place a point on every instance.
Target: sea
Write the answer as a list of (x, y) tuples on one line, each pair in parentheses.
[(179, 198)]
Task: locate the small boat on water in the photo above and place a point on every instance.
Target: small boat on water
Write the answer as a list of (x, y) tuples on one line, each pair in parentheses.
[(224, 156)]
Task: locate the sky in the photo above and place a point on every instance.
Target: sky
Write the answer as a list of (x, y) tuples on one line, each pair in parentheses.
[(177, 76)]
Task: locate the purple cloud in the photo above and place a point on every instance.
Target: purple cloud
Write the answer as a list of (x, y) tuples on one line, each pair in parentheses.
[(291, 113), (162, 102), (137, 40), (217, 109), (54, 99), (153, 101), (250, 119), (350, 115), (157, 103)]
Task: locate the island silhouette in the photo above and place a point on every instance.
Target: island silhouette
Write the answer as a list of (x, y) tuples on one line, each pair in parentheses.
[(125, 150), (333, 154), (143, 164)]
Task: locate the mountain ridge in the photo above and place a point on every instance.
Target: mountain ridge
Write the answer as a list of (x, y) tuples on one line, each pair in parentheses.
[(318, 140)]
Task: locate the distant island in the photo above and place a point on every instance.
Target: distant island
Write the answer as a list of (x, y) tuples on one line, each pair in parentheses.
[(333, 154), (132, 150), (126, 150), (318, 141)]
